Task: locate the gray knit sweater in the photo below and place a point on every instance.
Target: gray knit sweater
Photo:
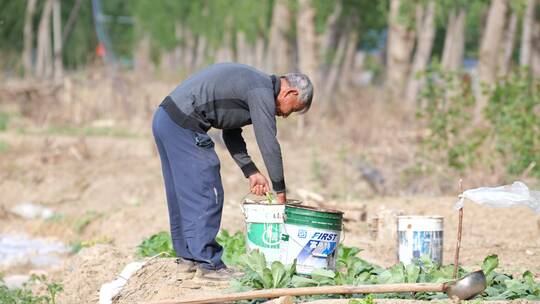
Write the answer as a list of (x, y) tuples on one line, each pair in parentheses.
[(229, 96)]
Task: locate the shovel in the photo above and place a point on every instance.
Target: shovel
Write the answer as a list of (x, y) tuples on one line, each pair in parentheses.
[(465, 288)]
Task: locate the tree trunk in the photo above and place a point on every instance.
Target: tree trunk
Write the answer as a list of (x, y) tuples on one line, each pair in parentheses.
[(535, 51), (71, 21), (348, 62), (57, 34), (188, 51), (329, 39), (28, 37), (448, 40), (400, 45), (200, 53), (43, 61), (259, 52), (334, 71), (526, 35), (142, 64), (279, 48), (225, 51), (425, 36), (454, 42), (305, 27), (244, 52), (179, 35), (508, 45), (489, 51)]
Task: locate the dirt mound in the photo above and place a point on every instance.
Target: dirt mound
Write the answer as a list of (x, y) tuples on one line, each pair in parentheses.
[(160, 279), (84, 273)]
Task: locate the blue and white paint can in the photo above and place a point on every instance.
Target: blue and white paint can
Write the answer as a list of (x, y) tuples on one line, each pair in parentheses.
[(420, 236)]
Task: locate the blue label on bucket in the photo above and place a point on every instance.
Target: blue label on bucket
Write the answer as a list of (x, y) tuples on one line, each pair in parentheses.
[(318, 247), (425, 242), (420, 243)]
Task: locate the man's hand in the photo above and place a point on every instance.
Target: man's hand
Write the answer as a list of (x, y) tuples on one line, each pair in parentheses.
[(281, 198), (258, 184)]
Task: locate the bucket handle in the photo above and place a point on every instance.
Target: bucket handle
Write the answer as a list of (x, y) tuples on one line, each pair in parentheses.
[(342, 235), (242, 200)]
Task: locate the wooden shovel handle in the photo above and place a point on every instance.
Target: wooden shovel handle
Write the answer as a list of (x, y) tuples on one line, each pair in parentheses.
[(304, 291)]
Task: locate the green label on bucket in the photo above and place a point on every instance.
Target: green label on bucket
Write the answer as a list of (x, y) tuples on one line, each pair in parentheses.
[(264, 235)]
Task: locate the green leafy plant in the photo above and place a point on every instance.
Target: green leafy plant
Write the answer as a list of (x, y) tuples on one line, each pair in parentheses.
[(257, 275), (352, 270), (270, 198), (367, 300), (156, 244), (25, 296), (505, 287), (234, 246), (53, 288)]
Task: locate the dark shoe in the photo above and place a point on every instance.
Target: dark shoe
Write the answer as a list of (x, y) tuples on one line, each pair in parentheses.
[(185, 265), (223, 274)]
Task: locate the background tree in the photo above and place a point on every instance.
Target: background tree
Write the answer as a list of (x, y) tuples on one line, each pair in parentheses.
[(489, 50), (425, 33), (400, 45)]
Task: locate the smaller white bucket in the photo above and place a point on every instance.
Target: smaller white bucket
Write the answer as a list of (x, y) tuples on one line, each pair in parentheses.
[(420, 236), (263, 224)]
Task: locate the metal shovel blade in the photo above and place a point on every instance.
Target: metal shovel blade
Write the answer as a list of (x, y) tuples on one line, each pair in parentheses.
[(467, 287)]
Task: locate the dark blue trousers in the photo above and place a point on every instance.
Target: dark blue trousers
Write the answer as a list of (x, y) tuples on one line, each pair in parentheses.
[(193, 188)]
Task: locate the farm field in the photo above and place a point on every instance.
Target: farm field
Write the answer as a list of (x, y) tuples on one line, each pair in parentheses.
[(390, 111), (106, 193)]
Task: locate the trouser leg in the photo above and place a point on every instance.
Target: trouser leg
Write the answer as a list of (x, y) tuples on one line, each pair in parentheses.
[(173, 205), (199, 191)]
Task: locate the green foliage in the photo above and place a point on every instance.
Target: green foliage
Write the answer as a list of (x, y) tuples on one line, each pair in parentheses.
[(4, 146), (79, 245), (156, 244), (25, 296), (167, 22), (4, 120), (514, 115), (505, 287), (257, 275), (447, 112), (367, 300), (352, 270), (234, 246), (91, 131), (81, 223), (511, 135)]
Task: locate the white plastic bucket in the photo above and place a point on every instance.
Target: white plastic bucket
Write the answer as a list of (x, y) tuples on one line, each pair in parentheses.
[(263, 224), (420, 236)]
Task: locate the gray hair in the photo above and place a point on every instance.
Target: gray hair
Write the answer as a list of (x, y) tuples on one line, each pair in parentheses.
[(304, 86)]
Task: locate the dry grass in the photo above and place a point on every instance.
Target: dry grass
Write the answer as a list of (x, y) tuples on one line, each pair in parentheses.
[(355, 145)]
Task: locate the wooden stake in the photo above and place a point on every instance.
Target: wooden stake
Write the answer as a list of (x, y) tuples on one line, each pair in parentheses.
[(460, 227), (304, 291)]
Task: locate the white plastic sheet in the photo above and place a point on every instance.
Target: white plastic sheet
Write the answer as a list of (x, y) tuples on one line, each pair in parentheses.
[(516, 194), (111, 289)]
